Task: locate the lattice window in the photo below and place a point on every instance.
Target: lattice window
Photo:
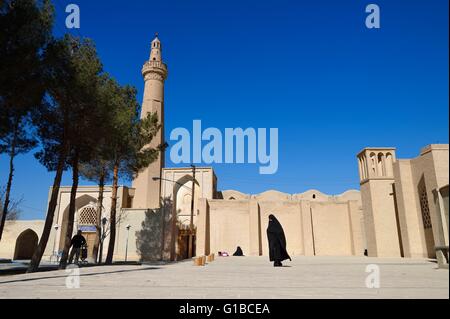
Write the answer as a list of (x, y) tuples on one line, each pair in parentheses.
[(425, 208), (88, 215)]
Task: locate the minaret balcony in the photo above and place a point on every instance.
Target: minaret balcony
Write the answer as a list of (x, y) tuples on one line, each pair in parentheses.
[(156, 68), (155, 64)]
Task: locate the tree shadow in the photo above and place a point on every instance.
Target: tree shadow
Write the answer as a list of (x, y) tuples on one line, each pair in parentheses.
[(81, 275), (148, 239), (153, 240)]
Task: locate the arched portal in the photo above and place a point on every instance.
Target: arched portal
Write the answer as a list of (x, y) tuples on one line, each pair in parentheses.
[(87, 222), (183, 198), (182, 193), (26, 244), (79, 203)]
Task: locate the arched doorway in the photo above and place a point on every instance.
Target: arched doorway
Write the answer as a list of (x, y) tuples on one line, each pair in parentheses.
[(26, 244), (182, 191), (87, 223), (79, 203)]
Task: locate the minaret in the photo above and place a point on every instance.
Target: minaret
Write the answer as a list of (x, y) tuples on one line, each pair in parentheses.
[(154, 71)]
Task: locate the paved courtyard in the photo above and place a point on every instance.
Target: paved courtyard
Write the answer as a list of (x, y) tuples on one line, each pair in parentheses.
[(239, 277)]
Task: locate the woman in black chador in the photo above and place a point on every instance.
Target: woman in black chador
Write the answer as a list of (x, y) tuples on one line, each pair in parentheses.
[(238, 252), (277, 242)]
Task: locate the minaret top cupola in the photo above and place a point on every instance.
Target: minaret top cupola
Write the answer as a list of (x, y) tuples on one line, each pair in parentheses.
[(155, 52), (155, 68)]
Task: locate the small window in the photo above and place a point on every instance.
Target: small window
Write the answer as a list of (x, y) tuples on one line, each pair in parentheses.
[(314, 196)]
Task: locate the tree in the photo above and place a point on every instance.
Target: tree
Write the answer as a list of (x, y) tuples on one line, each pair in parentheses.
[(85, 120), (17, 141), (99, 168), (25, 30), (14, 210), (69, 67), (97, 171), (106, 232), (129, 148)]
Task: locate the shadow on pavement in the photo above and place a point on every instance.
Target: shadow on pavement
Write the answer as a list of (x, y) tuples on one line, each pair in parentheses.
[(81, 275)]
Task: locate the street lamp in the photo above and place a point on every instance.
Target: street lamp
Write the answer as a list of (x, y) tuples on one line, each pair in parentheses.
[(56, 227), (169, 180), (126, 247), (191, 224)]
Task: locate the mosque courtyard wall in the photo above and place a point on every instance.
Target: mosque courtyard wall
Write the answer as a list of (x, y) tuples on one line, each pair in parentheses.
[(321, 227)]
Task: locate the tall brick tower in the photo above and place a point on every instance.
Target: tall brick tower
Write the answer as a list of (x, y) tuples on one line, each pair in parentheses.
[(154, 71)]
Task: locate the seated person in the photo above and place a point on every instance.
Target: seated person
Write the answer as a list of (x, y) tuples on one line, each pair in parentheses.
[(238, 252)]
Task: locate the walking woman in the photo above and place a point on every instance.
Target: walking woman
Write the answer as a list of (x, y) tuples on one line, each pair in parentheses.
[(277, 242)]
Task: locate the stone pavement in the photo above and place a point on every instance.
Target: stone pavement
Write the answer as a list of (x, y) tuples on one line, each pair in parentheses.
[(239, 277), (8, 266)]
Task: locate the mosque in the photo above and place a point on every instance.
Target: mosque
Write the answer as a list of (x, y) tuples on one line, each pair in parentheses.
[(401, 209)]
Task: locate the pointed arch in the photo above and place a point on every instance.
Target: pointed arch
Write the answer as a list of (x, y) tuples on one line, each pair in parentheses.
[(389, 164), (26, 244), (79, 203)]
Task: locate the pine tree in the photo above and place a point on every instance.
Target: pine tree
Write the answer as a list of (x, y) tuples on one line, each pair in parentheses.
[(25, 30), (66, 125), (129, 147)]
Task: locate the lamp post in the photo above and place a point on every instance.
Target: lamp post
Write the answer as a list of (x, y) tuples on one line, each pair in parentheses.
[(56, 226), (168, 180), (126, 247), (191, 224)]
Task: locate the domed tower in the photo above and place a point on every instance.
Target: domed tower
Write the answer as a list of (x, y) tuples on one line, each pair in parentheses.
[(154, 71)]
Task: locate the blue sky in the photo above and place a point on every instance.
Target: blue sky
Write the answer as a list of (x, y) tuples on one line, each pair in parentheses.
[(310, 68)]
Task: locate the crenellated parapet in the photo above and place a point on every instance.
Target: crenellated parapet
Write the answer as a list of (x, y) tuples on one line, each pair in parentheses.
[(154, 70)]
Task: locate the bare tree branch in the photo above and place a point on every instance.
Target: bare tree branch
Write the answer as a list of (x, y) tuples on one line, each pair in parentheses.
[(14, 210)]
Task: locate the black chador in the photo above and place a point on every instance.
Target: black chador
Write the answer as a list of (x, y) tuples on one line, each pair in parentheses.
[(277, 242), (238, 252)]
